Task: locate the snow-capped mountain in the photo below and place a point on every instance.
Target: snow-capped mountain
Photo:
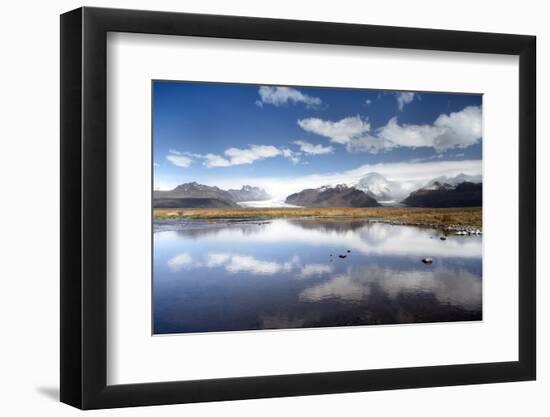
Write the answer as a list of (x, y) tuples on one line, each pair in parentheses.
[(249, 193), (451, 182), (194, 190), (339, 195), (193, 195), (460, 191), (380, 188)]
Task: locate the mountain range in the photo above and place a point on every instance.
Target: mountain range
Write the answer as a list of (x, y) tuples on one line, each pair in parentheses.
[(371, 190), (460, 191), (249, 193), (380, 188), (338, 196), (452, 182), (195, 195)]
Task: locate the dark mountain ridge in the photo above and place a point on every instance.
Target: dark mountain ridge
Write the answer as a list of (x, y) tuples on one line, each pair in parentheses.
[(337, 196), (465, 194), (195, 195)]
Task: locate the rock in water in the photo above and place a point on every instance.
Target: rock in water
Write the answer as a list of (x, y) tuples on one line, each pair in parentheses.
[(443, 238), (342, 256), (427, 260)]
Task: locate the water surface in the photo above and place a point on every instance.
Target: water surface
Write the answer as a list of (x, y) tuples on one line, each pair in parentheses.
[(275, 274)]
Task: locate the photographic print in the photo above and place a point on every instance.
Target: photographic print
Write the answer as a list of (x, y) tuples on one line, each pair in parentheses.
[(284, 207)]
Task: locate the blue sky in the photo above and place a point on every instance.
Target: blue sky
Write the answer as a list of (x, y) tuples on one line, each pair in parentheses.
[(234, 134)]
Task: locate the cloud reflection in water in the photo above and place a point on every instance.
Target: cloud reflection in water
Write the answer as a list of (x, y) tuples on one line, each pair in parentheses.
[(287, 274)]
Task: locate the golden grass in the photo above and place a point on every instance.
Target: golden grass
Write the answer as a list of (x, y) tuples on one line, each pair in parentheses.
[(428, 216)]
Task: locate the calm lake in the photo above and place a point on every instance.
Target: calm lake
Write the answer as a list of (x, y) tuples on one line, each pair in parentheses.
[(278, 274)]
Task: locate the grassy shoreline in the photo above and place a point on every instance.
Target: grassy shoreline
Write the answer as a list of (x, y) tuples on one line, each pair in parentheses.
[(470, 216)]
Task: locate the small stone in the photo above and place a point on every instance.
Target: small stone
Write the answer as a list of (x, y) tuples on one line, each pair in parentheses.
[(443, 238), (427, 260)]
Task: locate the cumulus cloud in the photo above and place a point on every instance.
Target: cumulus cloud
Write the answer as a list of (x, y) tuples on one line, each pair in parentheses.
[(180, 160), (233, 156), (252, 153), (292, 156), (211, 160), (342, 131), (403, 99), (237, 156), (455, 130), (312, 149), (460, 129), (278, 96)]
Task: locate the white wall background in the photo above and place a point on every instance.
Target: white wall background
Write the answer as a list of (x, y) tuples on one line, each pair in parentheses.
[(29, 237)]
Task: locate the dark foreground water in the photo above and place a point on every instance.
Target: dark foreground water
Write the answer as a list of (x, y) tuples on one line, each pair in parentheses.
[(288, 274)]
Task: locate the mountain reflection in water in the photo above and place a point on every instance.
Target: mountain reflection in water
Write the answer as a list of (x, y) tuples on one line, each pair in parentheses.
[(289, 274)]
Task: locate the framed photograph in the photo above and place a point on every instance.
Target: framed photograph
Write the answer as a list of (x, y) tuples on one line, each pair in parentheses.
[(256, 208)]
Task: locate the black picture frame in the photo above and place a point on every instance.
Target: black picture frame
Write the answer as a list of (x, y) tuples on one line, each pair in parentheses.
[(84, 207)]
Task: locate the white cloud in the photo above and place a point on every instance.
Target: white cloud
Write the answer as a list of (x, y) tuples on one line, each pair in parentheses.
[(394, 134), (410, 174), (179, 160), (292, 156), (278, 96), (253, 153), (236, 156), (367, 143), (403, 99), (312, 149), (211, 161), (460, 129), (455, 130), (340, 132)]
